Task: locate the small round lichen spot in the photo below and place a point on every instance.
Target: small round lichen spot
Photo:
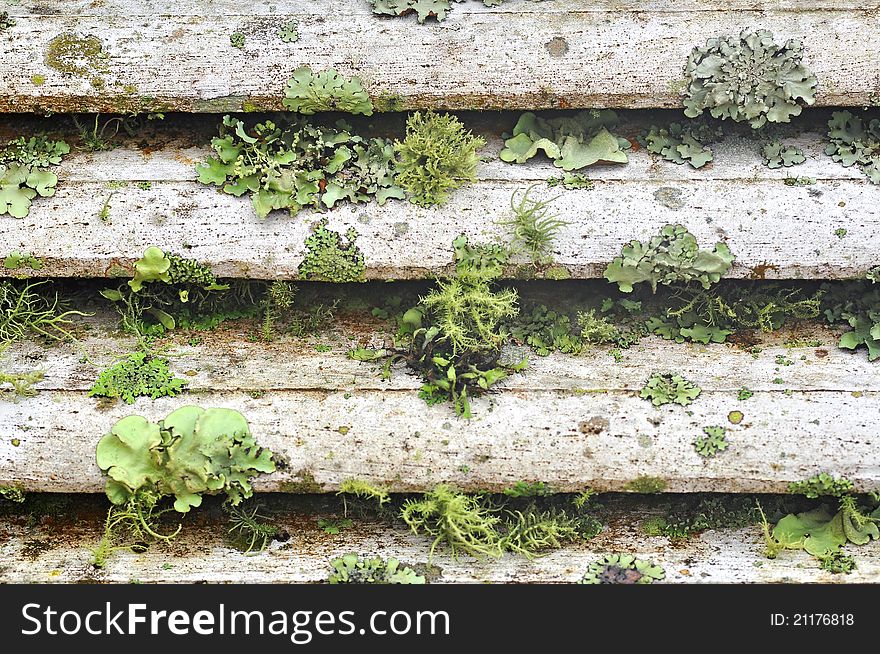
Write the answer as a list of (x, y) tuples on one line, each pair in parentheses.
[(557, 46), (669, 197), (735, 417)]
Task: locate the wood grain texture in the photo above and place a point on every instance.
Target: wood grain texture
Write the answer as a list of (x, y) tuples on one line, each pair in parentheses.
[(775, 231), (571, 422), (527, 55), (52, 554)]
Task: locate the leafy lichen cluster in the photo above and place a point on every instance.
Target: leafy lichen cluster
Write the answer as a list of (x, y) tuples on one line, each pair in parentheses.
[(423, 9), (308, 92), (17, 260), (436, 156), (778, 155), (25, 174), (191, 453), (822, 531), (748, 78), (682, 142), (299, 164), (331, 258), (572, 142), (668, 388), (713, 441), (139, 374), (857, 304), (671, 257), (855, 141), (353, 569), (622, 569)]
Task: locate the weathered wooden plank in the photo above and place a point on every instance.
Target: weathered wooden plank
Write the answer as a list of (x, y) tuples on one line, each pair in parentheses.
[(569, 421), (53, 554), (776, 231), (619, 57)]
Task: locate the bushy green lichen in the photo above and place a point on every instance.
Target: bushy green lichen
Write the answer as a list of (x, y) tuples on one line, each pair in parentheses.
[(32, 309), (572, 142), (437, 155), (25, 174), (249, 531), (854, 141), (365, 490), (534, 228), (139, 374), (622, 569), (299, 164), (423, 9), (308, 93), (671, 257), (353, 569), (331, 258), (713, 441), (682, 143), (668, 388), (748, 78), (528, 489), (777, 155)]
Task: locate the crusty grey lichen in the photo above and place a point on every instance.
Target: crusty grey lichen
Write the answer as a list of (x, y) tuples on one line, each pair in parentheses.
[(748, 78)]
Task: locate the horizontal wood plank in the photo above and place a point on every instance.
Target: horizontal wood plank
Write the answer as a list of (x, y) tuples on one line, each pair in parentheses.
[(775, 230), (610, 55), (571, 422), (52, 554)]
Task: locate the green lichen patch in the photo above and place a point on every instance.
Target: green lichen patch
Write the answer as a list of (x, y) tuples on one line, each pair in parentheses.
[(138, 375), (237, 40), (33, 309), (289, 32), (572, 142), (669, 388), (646, 484), (251, 532), (622, 569), (6, 21), (855, 142), (748, 78), (436, 156), (297, 164), (682, 143), (308, 92), (857, 304), (822, 485), (423, 9), (80, 56), (353, 569), (21, 383), (25, 174), (17, 260), (671, 257), (713, 441), (778, 155), (331, 258), (689, 518)]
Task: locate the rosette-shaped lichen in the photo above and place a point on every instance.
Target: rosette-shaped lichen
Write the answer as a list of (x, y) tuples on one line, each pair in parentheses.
[(748, 78), (24, 172), (682, 143), (309, 92)]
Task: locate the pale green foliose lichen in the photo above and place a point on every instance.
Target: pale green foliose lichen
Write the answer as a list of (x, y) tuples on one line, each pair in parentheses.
[(748, 78), (423, 9), (854, 141), (682, 143), (353, 569), (308, 93), (24, 173), (671, 257), (331, 258), (572, 142), (622, 569)]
